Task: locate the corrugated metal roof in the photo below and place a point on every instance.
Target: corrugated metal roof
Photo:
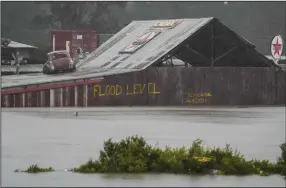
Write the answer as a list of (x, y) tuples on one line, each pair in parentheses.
[(107, 56), (14, 44), (39, 78), (107, 59)]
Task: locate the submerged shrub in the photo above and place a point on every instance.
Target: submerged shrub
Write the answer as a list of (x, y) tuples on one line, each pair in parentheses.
[(134, 155), (281, 164), (35, 169)]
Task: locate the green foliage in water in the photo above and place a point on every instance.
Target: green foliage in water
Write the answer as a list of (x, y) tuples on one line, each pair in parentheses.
[(134, 155), (35, 169), (281, 164)]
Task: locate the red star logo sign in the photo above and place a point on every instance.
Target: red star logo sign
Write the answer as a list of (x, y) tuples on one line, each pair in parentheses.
[(277, 47)]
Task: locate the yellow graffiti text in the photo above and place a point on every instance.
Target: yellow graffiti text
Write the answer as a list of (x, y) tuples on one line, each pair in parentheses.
[(129, 89), (198, 98)]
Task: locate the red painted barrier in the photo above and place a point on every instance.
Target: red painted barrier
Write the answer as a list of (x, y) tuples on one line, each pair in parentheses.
[(53, 86)]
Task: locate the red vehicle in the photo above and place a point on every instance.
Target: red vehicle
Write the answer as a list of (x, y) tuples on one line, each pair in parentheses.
[(70, 40), (59, 61)]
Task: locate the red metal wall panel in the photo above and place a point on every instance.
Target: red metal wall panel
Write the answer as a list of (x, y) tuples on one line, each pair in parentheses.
[(27, 102), (65, 94), (23, 99), (9, 100), (39, 101), (68, 96), (61, 36), (80, 96), (18, 100), (13, 101), (34, 99), (46, 98), (71, 96), (86, 39), (58, 97)]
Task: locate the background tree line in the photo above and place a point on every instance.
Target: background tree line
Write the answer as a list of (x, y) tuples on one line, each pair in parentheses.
[(31, 22)]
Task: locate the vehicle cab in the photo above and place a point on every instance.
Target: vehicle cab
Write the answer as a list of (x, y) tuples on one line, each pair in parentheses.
[(59, 61)]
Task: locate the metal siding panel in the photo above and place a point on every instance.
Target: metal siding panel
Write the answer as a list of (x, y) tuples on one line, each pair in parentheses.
[(88, 42), (18, 100), (68, 98), (28, 99), (91, 99), (71, 94), (61, 36), (85, 95), (12, 98), (34, 99), (46, 98), (52, 98), (58, 97), (281, 87), (23, 99), (42, 98), (65, 96), (9, 101), (75, 96), (39, 102), (80, 95)]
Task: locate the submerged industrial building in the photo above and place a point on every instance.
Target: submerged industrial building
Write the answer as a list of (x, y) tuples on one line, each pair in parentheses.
[(135, 67)]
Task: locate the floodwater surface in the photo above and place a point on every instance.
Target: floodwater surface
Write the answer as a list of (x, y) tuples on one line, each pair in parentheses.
[(56, 137)]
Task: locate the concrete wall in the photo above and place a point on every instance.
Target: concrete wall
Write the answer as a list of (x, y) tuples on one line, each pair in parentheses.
[(166, 86)]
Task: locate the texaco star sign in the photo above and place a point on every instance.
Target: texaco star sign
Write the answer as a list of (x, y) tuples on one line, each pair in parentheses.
[(277, 48)]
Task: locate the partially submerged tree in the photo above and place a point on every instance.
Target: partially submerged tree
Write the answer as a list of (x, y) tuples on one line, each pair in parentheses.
[(79, 15)]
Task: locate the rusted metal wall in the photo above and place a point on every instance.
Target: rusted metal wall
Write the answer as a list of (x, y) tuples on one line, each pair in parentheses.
[(165, 86), (281, 87), (190, 86)]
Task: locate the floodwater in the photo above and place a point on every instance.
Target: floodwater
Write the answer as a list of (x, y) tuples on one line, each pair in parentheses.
[(56, 137)]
